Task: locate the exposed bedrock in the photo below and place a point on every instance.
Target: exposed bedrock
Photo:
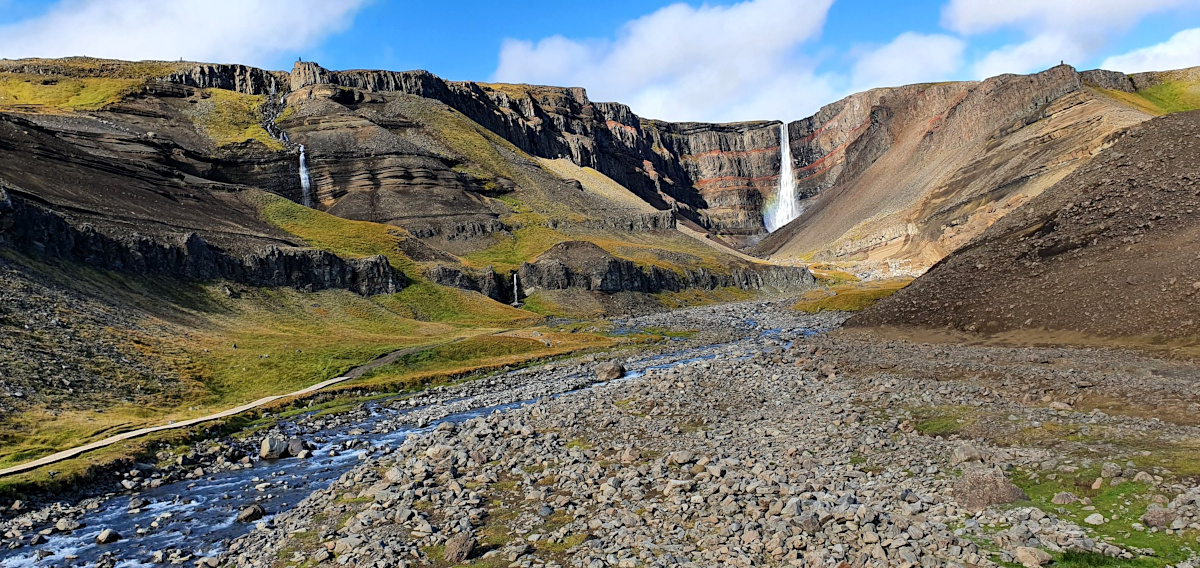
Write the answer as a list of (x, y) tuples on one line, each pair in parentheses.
[(582, 264), (42, 233)]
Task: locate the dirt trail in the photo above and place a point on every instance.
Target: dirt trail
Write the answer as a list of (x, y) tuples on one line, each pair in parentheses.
[(351, 374)]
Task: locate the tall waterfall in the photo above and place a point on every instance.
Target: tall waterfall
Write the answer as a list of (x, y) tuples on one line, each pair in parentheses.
[(516, 292), (786, 204), (305, 181)]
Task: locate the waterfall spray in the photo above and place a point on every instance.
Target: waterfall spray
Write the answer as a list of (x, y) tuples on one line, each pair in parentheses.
[(786, 205), (305, 181)]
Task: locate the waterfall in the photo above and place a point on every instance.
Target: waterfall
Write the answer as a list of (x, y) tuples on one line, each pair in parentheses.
[(516, 292), (305, 181), (786, 204)]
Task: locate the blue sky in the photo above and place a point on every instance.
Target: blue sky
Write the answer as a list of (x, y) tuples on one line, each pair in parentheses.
[(718, 60)]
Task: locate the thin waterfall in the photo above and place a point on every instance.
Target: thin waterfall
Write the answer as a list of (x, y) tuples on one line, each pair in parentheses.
[(305, 181), (786, 205), (516, 292)]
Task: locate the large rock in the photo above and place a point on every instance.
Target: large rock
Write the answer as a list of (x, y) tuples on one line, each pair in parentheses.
[(609, 371), (981, 487), (251, 514), (107, 536), (273, 448), (1158, 516), (459, 548), (1031, 557), (297, 447)]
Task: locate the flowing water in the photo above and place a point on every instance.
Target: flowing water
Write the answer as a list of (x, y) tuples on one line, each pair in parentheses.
[(786, 204), (199, 515), (305, 181)]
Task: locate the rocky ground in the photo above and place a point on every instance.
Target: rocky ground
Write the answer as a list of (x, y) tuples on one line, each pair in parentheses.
[(833, 450)]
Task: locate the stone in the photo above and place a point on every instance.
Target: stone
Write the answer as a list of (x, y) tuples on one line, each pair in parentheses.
[(609, 371), (296, 446), (980, 487), (459, 548), (966, 453), (1158, 516), (67, 525), (1031, 557), (1094, 519), (107, 536), (273, 448), (251, 514), (1064, 498)]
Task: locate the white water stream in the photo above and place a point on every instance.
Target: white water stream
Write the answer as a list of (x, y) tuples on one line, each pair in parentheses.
[(786, 204), (305, 181)]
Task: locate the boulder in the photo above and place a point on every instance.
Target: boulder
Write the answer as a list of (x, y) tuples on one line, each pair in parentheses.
[(609, 371), (1158, 516), (273, 448), (251, 514), (296, 446), (107, 536), (967, 453), (67, 525), (1064, 498), (459, 548), (1031, 557), (980, 487)]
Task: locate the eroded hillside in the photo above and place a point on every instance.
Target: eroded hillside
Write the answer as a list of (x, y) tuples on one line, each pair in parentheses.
[(1107, 252)]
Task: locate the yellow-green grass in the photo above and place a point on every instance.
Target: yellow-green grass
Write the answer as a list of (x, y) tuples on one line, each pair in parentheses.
[(1108, 501), (831, 275), (475, 145), (230, 117), (421, 300), (509, 251), (476, 356), (1166, 97), (65, 93), (96, 67), (849, 297), (343, 237)]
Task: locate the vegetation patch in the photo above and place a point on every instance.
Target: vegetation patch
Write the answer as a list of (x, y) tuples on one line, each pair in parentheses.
[(849, 297), (1121, 505), (64, 93), (230, 117)]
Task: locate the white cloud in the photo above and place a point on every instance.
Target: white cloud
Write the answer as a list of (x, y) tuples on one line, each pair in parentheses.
[(979, 16), (910, 58), (1041, 52), (1057, 30), (225, 31), (734, 62), (1181, 50)]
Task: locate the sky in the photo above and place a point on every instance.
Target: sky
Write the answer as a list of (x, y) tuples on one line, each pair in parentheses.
[(715, 61)]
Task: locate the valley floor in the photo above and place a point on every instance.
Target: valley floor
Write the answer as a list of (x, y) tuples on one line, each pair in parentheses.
[(774, 447)]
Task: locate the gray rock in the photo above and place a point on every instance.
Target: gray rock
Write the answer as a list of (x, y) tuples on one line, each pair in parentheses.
[(459, 548), (107, 536), (251, 514)]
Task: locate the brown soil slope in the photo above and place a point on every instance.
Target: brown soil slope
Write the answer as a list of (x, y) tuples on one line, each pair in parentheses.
[(1112, 250)]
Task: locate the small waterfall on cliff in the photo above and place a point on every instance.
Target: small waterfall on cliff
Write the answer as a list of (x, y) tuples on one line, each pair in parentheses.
[(786, 205), (305, 181), (516, 292)]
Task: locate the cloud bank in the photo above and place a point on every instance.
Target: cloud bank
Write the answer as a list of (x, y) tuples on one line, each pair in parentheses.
[(722, 63), (226, 31), (1181, 50), (1057, 30)]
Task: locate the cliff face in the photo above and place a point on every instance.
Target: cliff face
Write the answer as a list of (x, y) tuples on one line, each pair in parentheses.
[(915, 172), (45, 234), (713, 174), (583, 265)]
